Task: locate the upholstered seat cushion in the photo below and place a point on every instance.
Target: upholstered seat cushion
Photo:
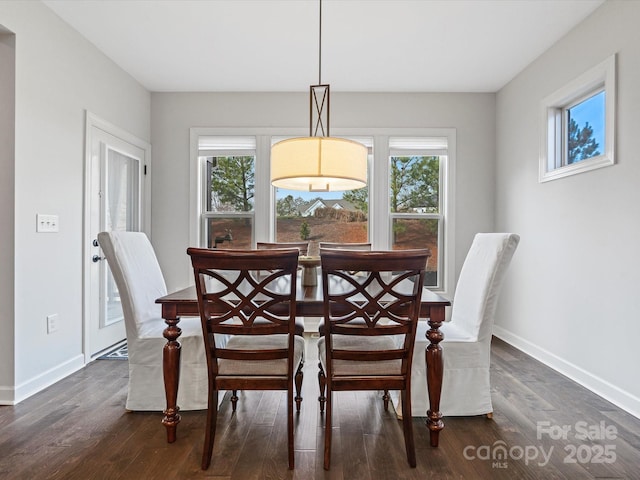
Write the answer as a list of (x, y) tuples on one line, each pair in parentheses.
[(360, 368), (278, 367)]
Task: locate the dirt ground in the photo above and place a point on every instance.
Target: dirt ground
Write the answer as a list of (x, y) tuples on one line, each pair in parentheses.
[(327, 230), (415, 234)]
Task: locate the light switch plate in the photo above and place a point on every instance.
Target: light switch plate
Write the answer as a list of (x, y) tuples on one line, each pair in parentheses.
[(47, 223), (52, 323)]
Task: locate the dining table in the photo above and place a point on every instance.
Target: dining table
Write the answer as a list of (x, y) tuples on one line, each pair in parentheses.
[(309, 303)]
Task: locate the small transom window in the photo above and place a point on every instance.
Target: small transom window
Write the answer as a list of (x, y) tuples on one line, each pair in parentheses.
[(578, 124)]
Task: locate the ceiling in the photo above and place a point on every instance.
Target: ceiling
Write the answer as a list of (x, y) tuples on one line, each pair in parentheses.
[(367, 45)]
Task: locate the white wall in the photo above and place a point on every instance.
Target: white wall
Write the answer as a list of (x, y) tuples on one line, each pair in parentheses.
[(172, 114), (7, 201), (58, 76), (572, 298)]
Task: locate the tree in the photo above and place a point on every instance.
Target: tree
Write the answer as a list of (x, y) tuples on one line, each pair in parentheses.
[(305, 231), (233, 184), (289, 206), (415, 183), (359, 198), (582, 144)]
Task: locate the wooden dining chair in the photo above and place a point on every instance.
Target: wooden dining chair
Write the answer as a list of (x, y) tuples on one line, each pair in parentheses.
[(249, 296), (303, 247), (364, 315), (365, 246)]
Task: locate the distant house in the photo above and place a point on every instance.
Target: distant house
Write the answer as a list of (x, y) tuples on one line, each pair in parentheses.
[(309, 209)]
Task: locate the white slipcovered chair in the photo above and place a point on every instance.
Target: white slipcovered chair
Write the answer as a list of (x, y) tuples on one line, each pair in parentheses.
[(140, 282), (466, 388)]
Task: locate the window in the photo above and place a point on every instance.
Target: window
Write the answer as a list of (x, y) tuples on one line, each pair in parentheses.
[(578, 124), (585, 129), (338, 216), (406, 204), (415, 172), (228, 165)]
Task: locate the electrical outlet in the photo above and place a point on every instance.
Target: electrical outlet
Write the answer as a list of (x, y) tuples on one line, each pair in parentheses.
[(47, 223), (52, 323)]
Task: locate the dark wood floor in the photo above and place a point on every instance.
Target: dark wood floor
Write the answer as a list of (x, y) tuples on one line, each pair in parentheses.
[(78, 429)]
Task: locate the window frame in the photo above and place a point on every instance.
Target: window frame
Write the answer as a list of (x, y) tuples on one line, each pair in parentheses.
[(205, 213), (379, 215), (443, 162), (554, 128)]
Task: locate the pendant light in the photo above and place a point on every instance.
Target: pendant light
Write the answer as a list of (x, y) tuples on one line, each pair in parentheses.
[(319, 162)]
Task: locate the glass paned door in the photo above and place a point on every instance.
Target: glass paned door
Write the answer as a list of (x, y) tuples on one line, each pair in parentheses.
[(113, 199), (121, 207)]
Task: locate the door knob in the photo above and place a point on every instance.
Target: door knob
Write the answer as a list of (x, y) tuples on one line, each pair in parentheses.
[(96, 258)]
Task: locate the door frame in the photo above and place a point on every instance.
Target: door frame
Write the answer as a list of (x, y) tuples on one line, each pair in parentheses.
[(93, 121)]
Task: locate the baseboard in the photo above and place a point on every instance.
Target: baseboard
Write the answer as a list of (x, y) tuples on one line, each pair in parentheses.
[(14, 395), (597, 385)]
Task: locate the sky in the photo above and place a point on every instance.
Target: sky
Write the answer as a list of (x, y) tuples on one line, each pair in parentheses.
[(592, 111)]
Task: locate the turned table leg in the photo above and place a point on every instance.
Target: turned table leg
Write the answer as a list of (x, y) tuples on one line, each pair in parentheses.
[(171, 372), (435, 369)]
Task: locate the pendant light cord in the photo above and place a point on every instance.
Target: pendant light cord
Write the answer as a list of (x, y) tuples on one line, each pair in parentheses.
[(320, 46)]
